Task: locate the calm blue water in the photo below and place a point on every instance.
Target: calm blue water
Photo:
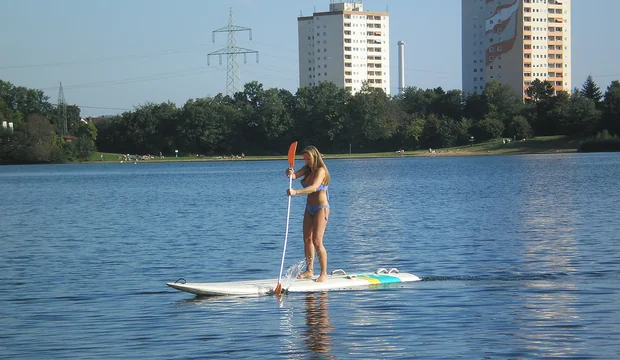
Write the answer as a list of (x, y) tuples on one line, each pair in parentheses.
[(520, 257)]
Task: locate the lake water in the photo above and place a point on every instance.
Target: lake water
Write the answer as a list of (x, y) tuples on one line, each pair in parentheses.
[(519, 256)]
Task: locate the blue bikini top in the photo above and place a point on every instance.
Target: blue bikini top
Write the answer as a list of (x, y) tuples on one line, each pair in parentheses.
[(320, 188)]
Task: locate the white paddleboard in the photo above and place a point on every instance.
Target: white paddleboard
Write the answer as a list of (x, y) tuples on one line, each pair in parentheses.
[(338, 280)]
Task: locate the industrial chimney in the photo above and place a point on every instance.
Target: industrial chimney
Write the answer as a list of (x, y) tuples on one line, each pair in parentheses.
[(401, 67)]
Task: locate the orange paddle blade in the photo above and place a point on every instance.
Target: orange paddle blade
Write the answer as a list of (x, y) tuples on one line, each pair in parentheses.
[(291, 154), (278, 289)]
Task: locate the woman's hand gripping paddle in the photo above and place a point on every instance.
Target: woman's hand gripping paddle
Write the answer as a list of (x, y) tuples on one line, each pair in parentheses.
[(291, 163)]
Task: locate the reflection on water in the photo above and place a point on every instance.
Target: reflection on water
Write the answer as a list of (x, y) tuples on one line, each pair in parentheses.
[(548, 216), (550, 322), (318, 325)]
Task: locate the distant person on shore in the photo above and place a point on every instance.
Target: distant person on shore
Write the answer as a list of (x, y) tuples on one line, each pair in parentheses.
[(315, 182)]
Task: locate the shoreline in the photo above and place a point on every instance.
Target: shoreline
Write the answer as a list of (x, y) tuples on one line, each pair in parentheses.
[(416, 153), (534, 146)]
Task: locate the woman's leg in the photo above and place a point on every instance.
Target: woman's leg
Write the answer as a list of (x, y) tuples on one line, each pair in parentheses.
[(318, 230), (308, 247)]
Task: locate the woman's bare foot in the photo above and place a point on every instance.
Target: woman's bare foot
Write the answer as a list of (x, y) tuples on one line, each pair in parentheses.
[(321, 278), (308, 274)]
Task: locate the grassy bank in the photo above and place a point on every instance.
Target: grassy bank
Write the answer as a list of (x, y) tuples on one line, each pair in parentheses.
[(538, 145)]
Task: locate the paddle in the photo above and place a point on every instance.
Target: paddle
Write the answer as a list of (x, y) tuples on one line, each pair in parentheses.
[(291, 164)]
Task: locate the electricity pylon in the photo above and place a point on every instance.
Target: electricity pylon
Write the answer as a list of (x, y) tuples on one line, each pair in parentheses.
[(62, 113), (232, 69)]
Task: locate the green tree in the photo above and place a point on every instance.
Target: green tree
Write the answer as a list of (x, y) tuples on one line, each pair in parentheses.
[(7, 147), (35, 140), (545, 110), (86, 129), (449, 132), (611, 108), (539, 91), (462, 129), (449, 104), (83, 148), (581, 117), (442, 132), (206, 125), (476, 107), (409, 131), (376, 117), (320, 116), (418, 101), (503, 102), (149, 128), (23, 101), (431, 137), (519, 128), (267, 118), (590, 90), (488, 129)]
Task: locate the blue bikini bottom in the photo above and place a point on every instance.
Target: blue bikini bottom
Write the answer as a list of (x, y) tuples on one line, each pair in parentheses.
[(314, 209)]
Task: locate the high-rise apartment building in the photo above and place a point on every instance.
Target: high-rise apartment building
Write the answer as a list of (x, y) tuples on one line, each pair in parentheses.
[(347, 46), (516, 42)]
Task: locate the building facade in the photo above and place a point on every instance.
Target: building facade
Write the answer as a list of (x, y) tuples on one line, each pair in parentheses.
[(347, 46), (516, 42)]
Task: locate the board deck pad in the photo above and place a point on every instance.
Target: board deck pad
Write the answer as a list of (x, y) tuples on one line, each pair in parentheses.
[(339, 280)]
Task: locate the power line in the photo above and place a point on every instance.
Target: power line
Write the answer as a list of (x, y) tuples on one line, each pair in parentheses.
[(98, 60), (179, 73), (97, 107)]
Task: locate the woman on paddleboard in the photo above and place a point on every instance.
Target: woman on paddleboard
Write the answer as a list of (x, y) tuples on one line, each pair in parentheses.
[(315, 182)]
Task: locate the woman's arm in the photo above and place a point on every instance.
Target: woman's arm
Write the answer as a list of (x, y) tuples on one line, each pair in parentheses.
[(297, 173), (318, 179)]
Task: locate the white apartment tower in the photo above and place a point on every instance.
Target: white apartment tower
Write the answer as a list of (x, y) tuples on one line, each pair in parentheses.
[(515, 42), (347, 46)]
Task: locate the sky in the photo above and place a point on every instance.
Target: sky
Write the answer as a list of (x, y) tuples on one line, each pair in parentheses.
[(114, 55)]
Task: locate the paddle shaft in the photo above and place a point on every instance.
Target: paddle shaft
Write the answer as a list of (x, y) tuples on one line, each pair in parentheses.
[(288, 215)]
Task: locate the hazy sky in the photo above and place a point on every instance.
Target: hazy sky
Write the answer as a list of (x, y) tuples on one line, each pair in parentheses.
[(112, 55)]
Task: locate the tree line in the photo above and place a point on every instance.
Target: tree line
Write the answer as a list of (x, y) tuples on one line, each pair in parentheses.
[(35, 135), (258, 121)]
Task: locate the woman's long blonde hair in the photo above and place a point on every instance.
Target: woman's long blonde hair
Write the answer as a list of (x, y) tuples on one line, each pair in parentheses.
[(316, 162)]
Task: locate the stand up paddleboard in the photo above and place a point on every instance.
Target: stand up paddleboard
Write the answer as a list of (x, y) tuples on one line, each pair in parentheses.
[(338, 280)]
